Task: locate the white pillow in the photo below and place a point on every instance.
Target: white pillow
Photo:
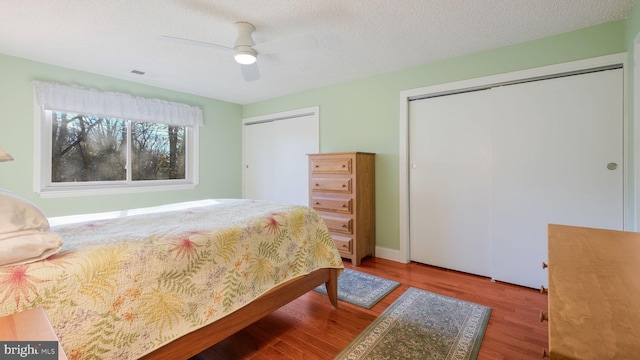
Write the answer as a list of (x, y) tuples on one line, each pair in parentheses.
[(24, 232)]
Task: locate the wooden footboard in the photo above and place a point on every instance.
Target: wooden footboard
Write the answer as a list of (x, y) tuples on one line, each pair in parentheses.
[(203, 338)]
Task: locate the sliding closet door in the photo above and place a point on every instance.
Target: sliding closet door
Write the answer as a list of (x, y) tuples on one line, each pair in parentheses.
[(489, 170), (275, 164), (257, 175), (450, 181), (557, 158)]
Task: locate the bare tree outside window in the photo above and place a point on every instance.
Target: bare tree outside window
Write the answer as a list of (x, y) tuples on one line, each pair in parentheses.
[(158, 151), (90, 148)]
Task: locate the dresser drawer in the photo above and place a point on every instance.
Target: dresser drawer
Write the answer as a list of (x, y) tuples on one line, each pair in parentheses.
[(337, 185), (337, 205), (338, 224), (343, 244), (331, 166)]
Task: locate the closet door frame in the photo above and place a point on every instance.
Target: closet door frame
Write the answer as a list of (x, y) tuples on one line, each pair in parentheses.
[(620, 59), (635, 87)]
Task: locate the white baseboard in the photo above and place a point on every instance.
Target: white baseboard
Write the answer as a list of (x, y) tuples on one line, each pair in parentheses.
[(390, 254)]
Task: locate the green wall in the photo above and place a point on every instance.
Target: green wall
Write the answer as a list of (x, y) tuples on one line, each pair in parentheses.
[(363, 115), (220, 144), (633, 28), (358, 115)]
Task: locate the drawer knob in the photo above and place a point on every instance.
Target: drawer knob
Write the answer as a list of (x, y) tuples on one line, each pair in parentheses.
[(543, 290), (317, 184), (344, 205), (344, 246), (343, 185), (317, 166), (543, 316), (317, 203), (544, 265), (344, 166), (344, 225)]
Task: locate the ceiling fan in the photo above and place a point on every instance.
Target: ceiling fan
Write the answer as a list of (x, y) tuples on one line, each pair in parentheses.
[(245, 51)]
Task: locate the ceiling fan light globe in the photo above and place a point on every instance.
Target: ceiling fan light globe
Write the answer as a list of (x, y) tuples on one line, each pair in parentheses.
[(244, 58)]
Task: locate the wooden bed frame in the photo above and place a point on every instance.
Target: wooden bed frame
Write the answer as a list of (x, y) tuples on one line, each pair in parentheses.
[(197, 341)]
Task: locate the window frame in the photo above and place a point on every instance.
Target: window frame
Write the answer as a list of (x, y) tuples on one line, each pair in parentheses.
[(48, 189)]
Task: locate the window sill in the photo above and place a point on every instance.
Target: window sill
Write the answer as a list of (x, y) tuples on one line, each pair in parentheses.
[(88, 190)]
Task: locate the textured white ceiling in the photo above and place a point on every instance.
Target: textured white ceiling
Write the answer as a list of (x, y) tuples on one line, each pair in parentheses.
[(357, 38)]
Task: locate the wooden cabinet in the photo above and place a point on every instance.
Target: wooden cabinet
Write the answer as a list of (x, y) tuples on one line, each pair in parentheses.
[(594, 293), (342, 190)]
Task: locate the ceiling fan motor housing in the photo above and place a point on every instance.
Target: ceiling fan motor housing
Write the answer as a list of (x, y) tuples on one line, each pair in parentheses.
[(244, 52)]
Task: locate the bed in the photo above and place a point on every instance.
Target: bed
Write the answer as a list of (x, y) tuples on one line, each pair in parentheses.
[(171, 281)]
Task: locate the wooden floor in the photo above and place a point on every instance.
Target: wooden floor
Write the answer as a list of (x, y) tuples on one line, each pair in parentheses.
[(309, 328)]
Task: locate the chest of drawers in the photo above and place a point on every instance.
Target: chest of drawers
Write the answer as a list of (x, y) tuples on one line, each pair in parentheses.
[(342, 190)]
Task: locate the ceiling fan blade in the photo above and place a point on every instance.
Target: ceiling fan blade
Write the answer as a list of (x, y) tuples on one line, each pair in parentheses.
[(195, 42), (296, 43), (250, 72)]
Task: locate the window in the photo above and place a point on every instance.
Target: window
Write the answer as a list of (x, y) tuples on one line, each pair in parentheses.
[(123, 149)]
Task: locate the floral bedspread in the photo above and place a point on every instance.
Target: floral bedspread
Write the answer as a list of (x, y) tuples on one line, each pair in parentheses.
[(121, 288)]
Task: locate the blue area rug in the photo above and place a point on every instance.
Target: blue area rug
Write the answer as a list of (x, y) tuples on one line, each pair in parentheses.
[(422, 325), (361, 289)]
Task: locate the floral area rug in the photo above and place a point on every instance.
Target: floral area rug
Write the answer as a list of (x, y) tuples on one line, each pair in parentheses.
[(361, 289), (422, 325)]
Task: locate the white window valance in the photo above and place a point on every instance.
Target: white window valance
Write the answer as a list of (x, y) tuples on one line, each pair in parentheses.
[(77, 99)]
